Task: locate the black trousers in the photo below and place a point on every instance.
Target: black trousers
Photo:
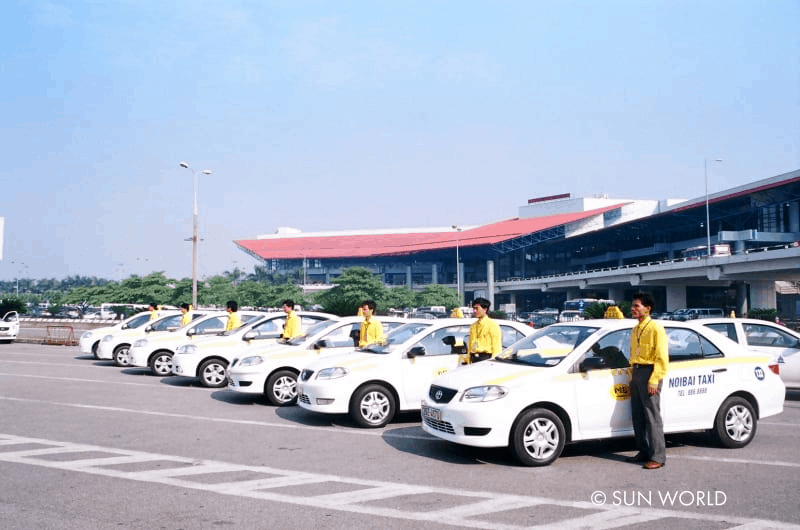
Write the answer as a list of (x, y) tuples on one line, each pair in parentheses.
[(648, 426)]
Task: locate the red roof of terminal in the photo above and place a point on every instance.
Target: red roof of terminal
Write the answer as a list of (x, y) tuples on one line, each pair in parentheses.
[(359, 246)]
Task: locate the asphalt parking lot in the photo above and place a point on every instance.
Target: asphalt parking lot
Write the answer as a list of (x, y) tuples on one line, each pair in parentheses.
[(84, 444)]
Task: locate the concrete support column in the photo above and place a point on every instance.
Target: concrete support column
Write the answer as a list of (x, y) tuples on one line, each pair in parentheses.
[(741, 299), (434, 274), (676, 297), (762, 295), (794, 216), (490, 282), (408, 276), (738, 246), (616, 293), (327, 278)]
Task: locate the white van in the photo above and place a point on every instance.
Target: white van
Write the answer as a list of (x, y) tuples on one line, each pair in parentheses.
[(697, 312)]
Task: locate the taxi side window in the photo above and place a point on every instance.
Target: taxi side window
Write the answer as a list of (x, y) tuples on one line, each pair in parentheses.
[(611, 351), (306, 322), (761, 335), (727, 329), (212, 325), (442, 341), (269, 328), (342, 337), (509, 336), (686, 345)]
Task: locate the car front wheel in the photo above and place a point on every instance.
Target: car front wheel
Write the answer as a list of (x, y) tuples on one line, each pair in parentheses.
[(161, 363), (212, 373), (538, 437), (735, 424), (281, 388), (372, 406), (122, 355)]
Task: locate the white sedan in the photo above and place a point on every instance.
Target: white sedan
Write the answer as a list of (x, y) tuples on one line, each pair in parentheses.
[(374, 383), (9, 326), (155, 350), (90, 340), (208, 358), (116, 344), (758, 335), (570, 382), (273, 371)]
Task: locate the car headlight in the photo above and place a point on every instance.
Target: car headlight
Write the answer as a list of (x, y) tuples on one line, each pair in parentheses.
[(484, 393), (332, 373), (108, 338), (141, 343), (252, 361), (186, 348), (87, 335)]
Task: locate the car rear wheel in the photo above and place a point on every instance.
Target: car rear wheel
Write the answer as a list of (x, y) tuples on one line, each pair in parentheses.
[(735, 424), (212, 373), (161, 363), (372, 406), (281, 388), (121, 355), (538, 437)]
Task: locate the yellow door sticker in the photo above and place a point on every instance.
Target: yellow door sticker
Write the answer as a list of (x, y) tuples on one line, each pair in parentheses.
[(620, 392)]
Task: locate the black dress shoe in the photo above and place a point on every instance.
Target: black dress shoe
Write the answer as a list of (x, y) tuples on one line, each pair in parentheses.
[(639, 457)]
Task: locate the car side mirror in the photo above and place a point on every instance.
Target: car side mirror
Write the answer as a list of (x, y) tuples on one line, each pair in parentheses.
[(250, 335), (148, 329), (190, 332), (592, 363), (416, 351), (323, 343)]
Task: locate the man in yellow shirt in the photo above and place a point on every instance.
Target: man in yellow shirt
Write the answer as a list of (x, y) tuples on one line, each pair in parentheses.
[(649, 359), (153, 308), (484, 334), (233, 316), (292, 327), (187, 315), (371, 328)]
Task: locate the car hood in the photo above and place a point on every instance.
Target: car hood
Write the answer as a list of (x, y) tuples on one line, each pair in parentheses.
[(354, 360), (490, 373)]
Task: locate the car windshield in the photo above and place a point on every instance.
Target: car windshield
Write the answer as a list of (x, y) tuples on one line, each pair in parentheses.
[(548, 346), (246, 321), (316, 329), (397, 336)]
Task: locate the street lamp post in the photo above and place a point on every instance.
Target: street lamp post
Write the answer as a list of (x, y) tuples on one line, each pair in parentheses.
[(708, 217), (19, 271), (194, 232), (459, 289)]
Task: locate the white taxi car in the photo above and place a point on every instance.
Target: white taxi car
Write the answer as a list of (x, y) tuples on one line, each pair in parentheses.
[(273, 371), (9, 326), (117, 344), (779, 342), (90, 340), (372, 384), (570, 382), (155, 350), (208, 358)]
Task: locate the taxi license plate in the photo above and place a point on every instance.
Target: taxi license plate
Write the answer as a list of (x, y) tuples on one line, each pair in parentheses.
[(434, 414)]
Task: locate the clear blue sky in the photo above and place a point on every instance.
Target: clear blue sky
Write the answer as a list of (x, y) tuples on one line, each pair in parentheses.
[(335, 115)]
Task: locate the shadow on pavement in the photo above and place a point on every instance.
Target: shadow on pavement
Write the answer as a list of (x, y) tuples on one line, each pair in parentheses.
[(238, 398), (86, 357), (136, 371), (104, 363), (181, 382), (793, 395)]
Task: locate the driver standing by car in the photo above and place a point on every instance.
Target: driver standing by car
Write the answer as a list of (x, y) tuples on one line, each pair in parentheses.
[(371, 329), (485, 338), (292, 327), (649, 359), (186, 314), (234, 321), (153, 308)]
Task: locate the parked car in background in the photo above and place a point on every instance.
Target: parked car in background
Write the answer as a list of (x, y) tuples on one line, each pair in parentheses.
[(570, 315), (116, 345), (682, 315), (9, 327), (90, 340), (775, 340), (541, 321)]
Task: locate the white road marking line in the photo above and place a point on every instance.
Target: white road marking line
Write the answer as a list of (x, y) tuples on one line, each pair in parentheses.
[(740, 461), (609, 516), (77, 379)]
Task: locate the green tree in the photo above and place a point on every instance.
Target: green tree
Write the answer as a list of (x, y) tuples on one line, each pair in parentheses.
[(355, 285), (400, 297), (435, 294)]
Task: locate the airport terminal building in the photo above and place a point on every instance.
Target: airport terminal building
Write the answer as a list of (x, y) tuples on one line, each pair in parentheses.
[(735, 250)]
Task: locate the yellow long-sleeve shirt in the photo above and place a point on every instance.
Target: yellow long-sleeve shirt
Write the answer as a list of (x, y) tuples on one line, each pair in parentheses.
[(186, 318), (153, 314), (649, 345), (292, 327), (233, 321), (485, 337), (371, 331)]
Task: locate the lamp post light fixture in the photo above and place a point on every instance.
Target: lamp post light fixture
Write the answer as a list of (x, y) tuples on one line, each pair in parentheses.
[(184, 165), (459, 288), (708, 219)]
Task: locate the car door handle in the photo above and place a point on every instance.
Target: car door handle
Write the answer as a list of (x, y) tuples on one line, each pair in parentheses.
[(718, 370)]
